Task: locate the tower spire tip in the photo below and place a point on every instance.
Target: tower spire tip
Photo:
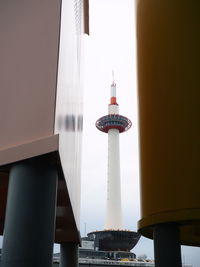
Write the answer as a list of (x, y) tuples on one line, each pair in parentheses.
[(113, 99), (113, 78)]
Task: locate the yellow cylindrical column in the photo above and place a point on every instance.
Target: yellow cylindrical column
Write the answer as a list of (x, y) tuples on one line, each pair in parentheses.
[(168, 41)]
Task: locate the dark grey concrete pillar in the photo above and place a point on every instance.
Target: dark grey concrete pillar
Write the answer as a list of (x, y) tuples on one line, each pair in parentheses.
[(167, 249), (30, 215), (69, 255)]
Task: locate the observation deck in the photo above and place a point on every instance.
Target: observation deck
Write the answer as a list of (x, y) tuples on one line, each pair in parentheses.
[(113, 121)]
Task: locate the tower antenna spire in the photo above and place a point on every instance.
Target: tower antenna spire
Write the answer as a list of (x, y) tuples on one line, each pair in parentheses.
[(113, 77), (113, 98)]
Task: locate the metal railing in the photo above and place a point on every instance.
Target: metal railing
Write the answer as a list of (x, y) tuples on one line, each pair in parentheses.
[(121, 263)]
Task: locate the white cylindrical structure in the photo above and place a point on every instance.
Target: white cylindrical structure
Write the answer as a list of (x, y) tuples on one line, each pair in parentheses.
[(113, 109), (114, 209), (113, 90)]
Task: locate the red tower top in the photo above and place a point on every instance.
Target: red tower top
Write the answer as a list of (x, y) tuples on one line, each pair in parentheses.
[(113, 98), (113, 120)]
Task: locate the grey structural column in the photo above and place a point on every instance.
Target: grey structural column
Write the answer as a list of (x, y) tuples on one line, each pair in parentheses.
[(167, 249), (30, 214), (69, 254)]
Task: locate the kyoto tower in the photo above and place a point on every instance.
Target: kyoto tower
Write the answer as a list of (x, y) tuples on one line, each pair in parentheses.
[(113, 124), (114, 238)]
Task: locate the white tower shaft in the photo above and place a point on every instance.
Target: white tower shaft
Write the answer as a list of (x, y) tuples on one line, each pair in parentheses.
[(114, 209), (113, 124)]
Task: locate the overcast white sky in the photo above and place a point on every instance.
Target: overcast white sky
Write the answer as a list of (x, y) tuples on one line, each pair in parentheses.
[(112, 46)]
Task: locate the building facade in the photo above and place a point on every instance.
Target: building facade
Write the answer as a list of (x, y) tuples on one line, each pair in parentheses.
[(41, 127)]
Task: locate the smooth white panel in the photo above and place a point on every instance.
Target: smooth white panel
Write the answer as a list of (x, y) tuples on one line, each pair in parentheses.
[(68, 119)]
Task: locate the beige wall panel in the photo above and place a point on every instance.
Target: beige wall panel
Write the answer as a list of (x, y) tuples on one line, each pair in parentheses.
[(29, 33), (39, 114)]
